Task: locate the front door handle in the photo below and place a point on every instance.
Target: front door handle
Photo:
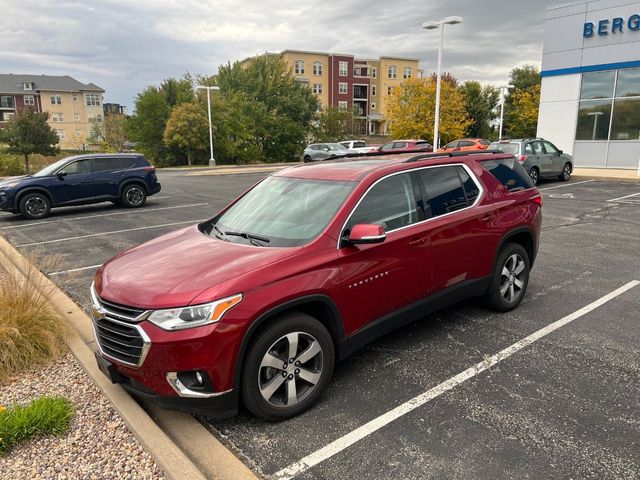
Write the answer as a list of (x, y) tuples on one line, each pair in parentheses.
[(417, 242)]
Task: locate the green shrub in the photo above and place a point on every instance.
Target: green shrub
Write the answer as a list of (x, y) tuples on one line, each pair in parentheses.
[(42, 416), (11, 165)]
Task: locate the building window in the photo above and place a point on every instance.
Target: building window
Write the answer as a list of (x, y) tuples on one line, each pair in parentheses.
[(97, 117), (374, 72), (29, 100), (78, 133), (62, 135), (76, 117), (6, 101), (317, 88), (8, 116), (27, 86), (373, 90), (389, 90), (342, 69), (56, 100), (57, 117), (317, 68), (298, 67), (92, 99), (407, 72), (342, 105), (392, 71), (342, 88), (601, 107)]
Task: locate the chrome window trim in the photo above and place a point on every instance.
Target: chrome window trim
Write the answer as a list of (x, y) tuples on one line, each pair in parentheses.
[(467, 169), (183, 391)]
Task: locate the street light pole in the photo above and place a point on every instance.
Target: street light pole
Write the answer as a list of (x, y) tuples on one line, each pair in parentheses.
[(212, 160), (503, 90), (431, 25)]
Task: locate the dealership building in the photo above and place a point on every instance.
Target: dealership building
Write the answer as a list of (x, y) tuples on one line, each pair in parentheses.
[(590, 97)]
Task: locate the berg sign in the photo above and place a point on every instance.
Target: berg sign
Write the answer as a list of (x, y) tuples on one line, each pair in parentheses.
[(615, 25)]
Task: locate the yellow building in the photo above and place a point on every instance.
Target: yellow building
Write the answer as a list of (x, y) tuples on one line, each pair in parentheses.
[(342, 80), (73, 107)]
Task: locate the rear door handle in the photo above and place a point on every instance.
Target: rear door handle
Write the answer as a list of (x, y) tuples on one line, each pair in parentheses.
[(417, 241), (488, 217)]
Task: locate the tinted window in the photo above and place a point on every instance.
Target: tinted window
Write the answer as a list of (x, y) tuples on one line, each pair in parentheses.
[(509, 172), (626, 119), (359, 144), (444, 190), (390, 203), (345, 144), (451, 144), (512, 148), (597, 85), (537, 148), (399, 144), (106, 164), (387, 146), (593, 120), (81, 166), (485, 142), (528, 148), (471, 190), (466, 143), (628, 84)]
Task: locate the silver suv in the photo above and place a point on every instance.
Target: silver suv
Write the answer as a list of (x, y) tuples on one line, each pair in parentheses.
[(324, 151), (539, 157)]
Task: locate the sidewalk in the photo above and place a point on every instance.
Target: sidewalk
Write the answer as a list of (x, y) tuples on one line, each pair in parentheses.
[(624, 175)]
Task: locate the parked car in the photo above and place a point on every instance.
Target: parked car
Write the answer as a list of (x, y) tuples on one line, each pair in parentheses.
[(258, 303), (358, 146), (323, 151), (539, 157), (126, 179), (407, 146), (466, 144)]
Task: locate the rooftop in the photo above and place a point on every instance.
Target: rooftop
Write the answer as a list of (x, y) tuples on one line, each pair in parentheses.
[(13, 83)]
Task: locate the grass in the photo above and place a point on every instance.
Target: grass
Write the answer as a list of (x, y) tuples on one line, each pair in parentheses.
[(32, 333), (45, 415)]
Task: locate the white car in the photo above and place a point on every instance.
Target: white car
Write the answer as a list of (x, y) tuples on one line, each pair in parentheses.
[(358, 146)]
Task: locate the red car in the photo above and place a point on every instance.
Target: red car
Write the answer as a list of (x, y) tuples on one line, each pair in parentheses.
[(259, 302), (406, 146)]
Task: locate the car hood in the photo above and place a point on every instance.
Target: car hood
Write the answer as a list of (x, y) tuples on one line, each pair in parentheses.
[(175, 268), (8, 180)]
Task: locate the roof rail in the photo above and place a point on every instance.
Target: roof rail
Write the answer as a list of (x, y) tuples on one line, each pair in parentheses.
[(465, 153)]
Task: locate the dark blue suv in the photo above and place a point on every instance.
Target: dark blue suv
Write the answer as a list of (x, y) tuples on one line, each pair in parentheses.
[(124, 179)]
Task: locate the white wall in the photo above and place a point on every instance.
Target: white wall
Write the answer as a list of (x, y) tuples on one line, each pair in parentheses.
[(558, 113)]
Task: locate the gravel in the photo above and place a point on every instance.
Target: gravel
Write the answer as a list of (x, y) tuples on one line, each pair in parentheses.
[(97, 445)]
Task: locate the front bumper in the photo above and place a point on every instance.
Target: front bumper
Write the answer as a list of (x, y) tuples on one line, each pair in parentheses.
[(6, 201)]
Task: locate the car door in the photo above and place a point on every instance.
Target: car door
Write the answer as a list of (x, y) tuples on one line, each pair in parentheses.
[(556, 162), (542, 158), (380, 278), (453, 227), (451, 146), (73, 183), (108, 172), (465, 145)]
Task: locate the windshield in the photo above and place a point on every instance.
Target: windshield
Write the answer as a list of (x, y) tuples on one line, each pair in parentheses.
[(282, 212), (49, 170), (512, 148)]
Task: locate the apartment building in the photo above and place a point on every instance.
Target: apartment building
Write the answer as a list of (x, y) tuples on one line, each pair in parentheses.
[(345, 81), (73, 106)]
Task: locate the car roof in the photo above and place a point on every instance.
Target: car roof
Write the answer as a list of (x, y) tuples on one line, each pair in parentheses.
[(102, 155), (355, 168)]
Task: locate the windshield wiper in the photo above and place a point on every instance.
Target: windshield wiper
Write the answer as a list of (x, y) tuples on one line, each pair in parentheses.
[(220, 234), (249, 236)]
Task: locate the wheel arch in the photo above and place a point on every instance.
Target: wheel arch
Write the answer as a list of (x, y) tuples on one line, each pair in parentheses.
[(321, 307), (132, 181), (523, 236), (28, 190)]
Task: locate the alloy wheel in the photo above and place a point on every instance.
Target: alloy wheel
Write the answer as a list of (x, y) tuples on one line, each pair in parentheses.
[(512, 278), (533, 173), (35, 206), (290, 369), (566, 172), (135, 196)]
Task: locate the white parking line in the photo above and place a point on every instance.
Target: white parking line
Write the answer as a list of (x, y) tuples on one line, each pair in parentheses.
[(140, 210), (566, 185), (62, 272), (104, 233), (626, 196), (377, 423)]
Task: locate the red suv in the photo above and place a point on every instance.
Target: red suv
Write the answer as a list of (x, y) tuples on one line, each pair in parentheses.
[(259, 302), (398, 146)]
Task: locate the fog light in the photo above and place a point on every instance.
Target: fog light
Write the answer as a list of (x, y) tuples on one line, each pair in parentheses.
[(199, 379)]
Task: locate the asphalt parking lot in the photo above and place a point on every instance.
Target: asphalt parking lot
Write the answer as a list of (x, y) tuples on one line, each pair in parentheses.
[(564, 405)]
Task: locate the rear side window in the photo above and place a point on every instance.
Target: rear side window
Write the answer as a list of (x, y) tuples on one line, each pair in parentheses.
[(466, 143), (512, 148), (358, 144), (106, 164), (485, 142), (391, 203), (444, 190), (471, 189), (509, 172)]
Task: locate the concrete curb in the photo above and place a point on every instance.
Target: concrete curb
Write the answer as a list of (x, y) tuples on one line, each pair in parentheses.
[(605, 179), (183, 448)]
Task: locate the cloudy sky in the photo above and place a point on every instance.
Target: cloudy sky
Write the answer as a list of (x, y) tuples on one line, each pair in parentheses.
[(125, 45)]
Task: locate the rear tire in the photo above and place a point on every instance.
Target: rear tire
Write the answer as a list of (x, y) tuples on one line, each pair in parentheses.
[(534, 173), (510, 278), (287, 367), (307, 159), (566, 173), (34, 206), (133, 196)]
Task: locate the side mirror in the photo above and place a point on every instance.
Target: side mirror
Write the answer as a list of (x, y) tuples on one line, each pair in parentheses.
[(559, 152), (62, 174), (365, 233)]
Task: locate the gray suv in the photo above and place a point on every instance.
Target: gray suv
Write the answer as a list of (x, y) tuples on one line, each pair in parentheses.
[(539, 157), (324, 151)]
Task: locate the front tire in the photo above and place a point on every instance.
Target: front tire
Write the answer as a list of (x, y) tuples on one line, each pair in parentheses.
[(510, 278), (566, 173), (288, 366), (133, 196), (307, 159), (534, 173), (34, 206)]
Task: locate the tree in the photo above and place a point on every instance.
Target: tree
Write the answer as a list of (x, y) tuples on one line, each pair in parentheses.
[(333, 124), (411, 110), (147, 126), (115, 135), (178, 91), (187, 129), (524, 112), (278, 109), (523, 79), (28, 132), (480, 103)]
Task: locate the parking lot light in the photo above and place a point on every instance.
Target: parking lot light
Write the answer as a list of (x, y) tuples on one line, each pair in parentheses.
[(432, 25), (503, 93), (212, 160)]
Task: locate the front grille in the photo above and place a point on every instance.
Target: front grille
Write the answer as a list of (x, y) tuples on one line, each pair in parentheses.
[(117, 333), (119, 341)]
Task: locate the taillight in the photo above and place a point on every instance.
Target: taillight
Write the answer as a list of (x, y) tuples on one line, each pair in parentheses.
[(522, 158), (150, 168), (537, 199), (482, 147)]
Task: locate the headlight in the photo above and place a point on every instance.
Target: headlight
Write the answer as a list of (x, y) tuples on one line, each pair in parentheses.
[(193, 316), (11, 184)]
